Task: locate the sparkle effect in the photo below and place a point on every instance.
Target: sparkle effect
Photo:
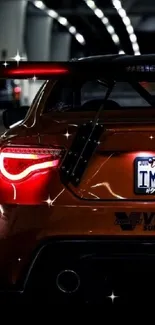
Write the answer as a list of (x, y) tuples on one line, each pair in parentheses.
[(34, 78), (50, 202), (5, 64), (151, 137), (112, 297), (17, 57), (67, 135)]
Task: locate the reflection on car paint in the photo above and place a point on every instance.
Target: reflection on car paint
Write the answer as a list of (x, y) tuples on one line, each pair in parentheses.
[(14, 192), (50, 202), (97, 197), (101, 165), (107, 185)]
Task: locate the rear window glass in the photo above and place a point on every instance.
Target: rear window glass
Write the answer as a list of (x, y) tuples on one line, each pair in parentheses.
[(124, 94), (66, 96)]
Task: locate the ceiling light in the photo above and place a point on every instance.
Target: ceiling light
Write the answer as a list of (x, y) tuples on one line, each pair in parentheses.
[(52, 13), (117, 4), (105, 21), (122, 12), (99, 13), (90, 3), (130, 29), (135, 47), (126, 21), (137, 53), (121, 52), (39, 4), (133, 38), (110, 29), (115, 38), (80, 38), (63, 21), (72, 30)]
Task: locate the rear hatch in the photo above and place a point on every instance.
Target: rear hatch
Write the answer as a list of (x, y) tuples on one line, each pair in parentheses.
[(122, 165)]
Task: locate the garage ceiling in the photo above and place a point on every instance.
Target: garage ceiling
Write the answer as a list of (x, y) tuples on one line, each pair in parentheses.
[(98, 40)]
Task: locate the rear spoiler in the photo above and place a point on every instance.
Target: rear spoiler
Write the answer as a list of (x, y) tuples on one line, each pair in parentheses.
[(109, 70), (29, 70)]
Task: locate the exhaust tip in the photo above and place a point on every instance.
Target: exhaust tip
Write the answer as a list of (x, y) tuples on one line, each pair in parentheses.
[(68, 281)]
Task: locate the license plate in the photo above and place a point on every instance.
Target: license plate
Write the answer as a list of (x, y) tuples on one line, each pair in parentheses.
[(145, 175)]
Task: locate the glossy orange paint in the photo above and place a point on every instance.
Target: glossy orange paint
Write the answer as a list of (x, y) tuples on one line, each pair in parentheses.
[(89, 209)]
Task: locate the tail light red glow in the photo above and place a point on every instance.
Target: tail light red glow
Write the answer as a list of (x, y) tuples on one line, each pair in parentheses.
[(40, 71), (18, 163), (17, 90), (17, 93)]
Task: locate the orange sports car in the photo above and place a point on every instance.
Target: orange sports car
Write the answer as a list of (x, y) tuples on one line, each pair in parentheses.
[(77, 183)]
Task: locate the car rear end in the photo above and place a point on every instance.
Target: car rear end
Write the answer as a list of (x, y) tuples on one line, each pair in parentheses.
[(96, 237), (77, 198)]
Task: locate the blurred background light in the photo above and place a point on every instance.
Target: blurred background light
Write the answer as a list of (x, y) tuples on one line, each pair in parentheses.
[(61, 20), (100, 14), (127, 22), (39, 4)]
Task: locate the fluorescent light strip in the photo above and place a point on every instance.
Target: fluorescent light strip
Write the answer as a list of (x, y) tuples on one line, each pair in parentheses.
[(127, 22), (110, 29), (62, 20)]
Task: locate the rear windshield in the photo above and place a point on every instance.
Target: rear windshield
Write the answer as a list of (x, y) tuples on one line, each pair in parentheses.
[(67, 96)]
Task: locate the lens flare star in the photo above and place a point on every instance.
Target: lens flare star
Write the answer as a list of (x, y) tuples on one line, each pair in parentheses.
[(49, 201), (17, 57), (112, 297), (5, 64), (34, 78), (67, 135)]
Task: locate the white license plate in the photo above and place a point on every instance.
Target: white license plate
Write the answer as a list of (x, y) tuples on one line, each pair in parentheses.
[(145, 175)]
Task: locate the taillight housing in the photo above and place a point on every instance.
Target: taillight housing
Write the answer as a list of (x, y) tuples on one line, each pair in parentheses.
[(19, 163)]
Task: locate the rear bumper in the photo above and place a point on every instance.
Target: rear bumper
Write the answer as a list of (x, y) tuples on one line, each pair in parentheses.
[(102, 266)]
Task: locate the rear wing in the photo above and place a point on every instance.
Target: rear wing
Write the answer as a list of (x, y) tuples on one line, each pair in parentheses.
[(30, 70), (110, 68)]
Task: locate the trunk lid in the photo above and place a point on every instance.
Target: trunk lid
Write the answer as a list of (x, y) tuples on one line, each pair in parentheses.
[(119, 168)]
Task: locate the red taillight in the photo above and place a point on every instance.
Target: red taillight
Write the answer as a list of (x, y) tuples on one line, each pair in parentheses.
[(17, 163), (41, 71), (17, 90), (17, 93)]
